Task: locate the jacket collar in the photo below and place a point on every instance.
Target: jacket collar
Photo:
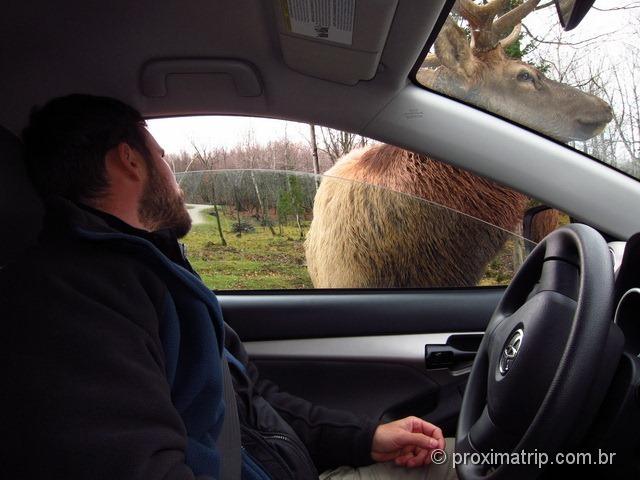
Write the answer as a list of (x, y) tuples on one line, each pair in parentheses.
[(64, 216)]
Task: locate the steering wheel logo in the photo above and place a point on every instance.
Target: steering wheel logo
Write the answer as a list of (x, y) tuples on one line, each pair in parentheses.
[(510, 351)]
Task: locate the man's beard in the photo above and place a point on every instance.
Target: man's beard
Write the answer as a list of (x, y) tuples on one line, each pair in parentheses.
[(161, 207)]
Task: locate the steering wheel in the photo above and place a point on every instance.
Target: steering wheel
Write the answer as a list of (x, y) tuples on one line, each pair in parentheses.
[(546, 359)]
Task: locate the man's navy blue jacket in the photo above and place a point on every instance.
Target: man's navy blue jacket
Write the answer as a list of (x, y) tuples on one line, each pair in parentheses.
[(110, 361)]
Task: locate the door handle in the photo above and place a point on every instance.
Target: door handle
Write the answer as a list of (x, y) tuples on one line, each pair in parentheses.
[(442, 356), (458, 349)]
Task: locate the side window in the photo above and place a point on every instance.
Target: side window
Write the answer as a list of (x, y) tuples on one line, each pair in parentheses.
[(377, 217)]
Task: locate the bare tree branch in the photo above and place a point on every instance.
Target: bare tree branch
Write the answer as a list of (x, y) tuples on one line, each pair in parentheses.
[(337, 143), (580, 43), (629, 6)]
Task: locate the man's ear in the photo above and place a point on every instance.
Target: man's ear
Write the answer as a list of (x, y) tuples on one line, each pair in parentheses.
[(453, 50), (125, 162)]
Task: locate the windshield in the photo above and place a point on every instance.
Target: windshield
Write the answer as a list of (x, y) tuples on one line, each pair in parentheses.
[(512, 58)]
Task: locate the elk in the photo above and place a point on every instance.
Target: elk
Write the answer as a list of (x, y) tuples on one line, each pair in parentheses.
[(365, 236)]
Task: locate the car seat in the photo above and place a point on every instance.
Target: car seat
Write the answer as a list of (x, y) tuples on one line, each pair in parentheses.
[(20, 207)]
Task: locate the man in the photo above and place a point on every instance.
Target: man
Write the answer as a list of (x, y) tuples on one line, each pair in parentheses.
[(113, 348)]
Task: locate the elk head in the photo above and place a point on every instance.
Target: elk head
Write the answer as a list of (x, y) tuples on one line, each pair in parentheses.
[(481, 73)]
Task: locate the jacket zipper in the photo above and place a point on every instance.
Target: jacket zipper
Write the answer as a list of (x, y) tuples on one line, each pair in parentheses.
[(305, 458), (262, 439)]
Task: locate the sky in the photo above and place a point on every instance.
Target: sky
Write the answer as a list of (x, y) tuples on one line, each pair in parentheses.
[(177, 134)]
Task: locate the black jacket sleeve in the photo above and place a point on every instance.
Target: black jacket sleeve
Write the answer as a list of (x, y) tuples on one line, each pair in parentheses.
[(84, 392), (333, 437)]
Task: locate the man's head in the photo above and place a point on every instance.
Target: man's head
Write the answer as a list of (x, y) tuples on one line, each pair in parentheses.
[(161, 202), (97, 151)]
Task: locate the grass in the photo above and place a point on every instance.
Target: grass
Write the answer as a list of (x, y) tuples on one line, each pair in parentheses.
[(500, 270), (255, 260)]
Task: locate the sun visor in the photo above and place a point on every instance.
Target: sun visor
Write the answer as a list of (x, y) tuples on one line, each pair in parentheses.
[(337, 40)]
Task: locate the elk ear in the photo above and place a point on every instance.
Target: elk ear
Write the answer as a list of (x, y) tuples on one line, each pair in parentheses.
[(453, 49)]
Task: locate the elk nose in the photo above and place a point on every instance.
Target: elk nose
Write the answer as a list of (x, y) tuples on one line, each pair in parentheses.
[(606, 110), (609, 112)]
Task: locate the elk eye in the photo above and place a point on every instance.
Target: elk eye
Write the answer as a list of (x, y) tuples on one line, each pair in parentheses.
[(524, 76)]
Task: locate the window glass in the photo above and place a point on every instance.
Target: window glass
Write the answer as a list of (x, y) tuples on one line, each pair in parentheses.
[(514, 59), (259, 229), (376, 216)]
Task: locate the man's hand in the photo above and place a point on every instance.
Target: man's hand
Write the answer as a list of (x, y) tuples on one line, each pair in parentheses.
[(408, 442)]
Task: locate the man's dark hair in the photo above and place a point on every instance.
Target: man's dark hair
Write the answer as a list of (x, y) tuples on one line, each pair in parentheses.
[(66, 142)]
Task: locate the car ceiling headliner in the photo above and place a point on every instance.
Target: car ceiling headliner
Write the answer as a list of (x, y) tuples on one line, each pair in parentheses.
[(50, 49)]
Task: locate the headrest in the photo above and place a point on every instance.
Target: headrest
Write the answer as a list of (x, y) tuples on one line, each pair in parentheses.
[(20, 207)]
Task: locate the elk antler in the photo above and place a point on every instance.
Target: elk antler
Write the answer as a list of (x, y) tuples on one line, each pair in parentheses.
[(487, 31), (507, 22), (479, 15), (512, 37)]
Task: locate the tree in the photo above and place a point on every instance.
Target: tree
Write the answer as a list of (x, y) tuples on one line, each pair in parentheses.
[(207, 159), (337, 143), (291, 202), (253, 152), (314, 152)]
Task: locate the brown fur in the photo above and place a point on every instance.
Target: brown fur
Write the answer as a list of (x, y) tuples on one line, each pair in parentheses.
[(364, 236)]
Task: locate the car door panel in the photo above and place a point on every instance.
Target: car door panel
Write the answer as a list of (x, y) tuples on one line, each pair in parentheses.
[(365, 351)]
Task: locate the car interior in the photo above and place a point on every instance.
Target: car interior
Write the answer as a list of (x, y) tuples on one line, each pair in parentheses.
[(388, 353)]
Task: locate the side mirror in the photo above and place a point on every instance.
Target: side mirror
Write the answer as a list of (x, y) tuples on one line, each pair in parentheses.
[(571, 12), (538, 222)]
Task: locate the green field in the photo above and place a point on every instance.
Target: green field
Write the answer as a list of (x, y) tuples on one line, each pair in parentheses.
[(254, 260)]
